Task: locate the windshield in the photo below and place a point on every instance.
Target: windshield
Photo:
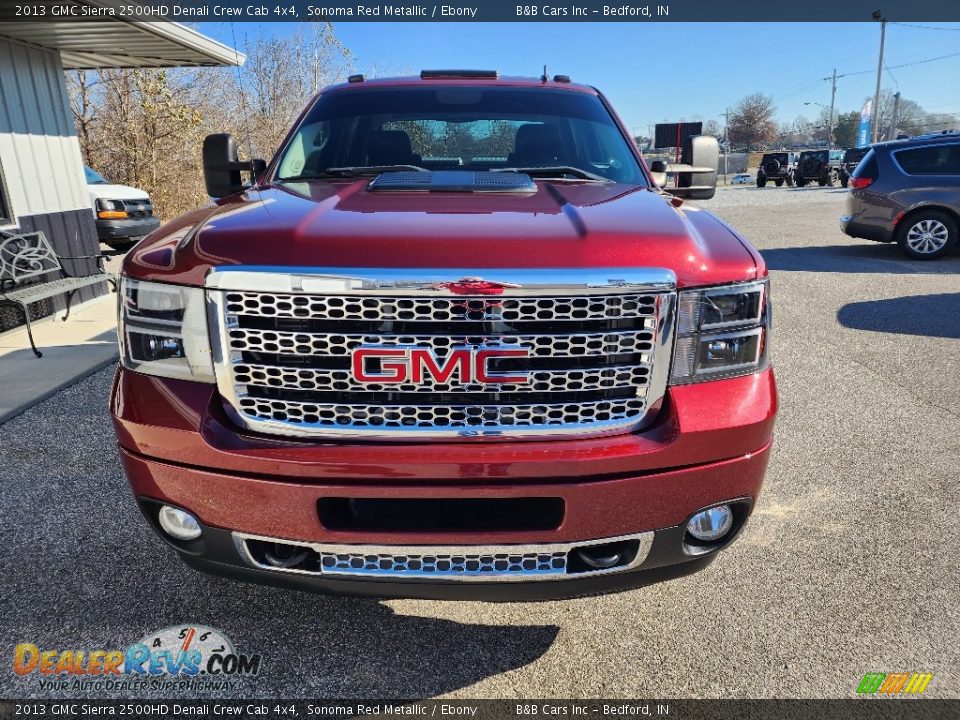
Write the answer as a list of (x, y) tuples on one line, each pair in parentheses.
[(93, 177), (461, 128)]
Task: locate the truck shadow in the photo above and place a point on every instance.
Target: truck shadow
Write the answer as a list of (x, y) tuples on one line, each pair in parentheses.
[(85, 572), (872, 258), (311, 646), (929, 315)]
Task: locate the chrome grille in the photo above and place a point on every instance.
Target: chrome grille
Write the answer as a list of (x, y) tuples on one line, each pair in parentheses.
[(139, 208), (342, 380), (298, 343), (466, 417), (458, 308), (596, 363)]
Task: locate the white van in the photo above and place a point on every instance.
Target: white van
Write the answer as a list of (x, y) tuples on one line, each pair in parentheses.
[(123, 214)]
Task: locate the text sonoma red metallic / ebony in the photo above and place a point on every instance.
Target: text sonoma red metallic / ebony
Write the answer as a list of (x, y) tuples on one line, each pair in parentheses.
[(453, 341)]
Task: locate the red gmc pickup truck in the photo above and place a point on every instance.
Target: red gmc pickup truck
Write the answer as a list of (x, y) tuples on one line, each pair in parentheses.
[(456, 340)]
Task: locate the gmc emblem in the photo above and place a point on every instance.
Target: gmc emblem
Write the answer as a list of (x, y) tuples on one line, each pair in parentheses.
[(416, 365)]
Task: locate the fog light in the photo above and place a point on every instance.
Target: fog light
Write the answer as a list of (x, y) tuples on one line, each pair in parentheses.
[(179, 524), (712, 524)]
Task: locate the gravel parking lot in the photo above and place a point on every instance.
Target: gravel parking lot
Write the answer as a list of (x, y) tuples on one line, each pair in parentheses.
[(847, 566)]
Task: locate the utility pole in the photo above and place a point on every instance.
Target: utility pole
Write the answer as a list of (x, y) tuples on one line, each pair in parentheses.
[(726, 142), (875, 129), (896, 113), (833, 97)]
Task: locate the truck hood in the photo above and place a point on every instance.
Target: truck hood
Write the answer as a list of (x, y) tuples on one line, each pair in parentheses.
[(115, 192), (344, 224)]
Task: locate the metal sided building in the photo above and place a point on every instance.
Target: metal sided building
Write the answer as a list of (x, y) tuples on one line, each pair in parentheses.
[(42, 185)]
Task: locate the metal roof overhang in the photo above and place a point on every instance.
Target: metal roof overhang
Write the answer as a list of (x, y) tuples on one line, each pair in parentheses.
[(104, 40)]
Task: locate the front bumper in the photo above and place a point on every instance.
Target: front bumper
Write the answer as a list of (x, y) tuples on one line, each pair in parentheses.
[(663, 562), (710, 444), (598, 512), (124, 229)]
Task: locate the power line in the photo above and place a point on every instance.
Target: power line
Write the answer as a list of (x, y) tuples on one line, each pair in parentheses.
[(921, 62), (896, 82), (792, 93), (926, 27), (888, 68)]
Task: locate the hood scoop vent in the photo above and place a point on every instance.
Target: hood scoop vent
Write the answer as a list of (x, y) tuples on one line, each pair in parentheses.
[(453, 181)]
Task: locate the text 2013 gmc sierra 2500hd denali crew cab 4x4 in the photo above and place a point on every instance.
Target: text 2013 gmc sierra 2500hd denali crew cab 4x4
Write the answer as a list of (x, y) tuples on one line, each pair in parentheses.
[(454, 341)]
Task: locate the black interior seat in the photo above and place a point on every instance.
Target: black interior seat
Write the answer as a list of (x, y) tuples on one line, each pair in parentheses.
[(536, 144), (390, 147)]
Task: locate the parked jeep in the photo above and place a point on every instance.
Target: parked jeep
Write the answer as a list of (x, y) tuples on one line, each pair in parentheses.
[(814, 165), (776, 167), (851, 158)]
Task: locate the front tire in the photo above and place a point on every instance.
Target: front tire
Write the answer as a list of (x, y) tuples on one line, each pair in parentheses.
[(799, 181), (927, 235), (779, 183), (121, 245), (761, 182)]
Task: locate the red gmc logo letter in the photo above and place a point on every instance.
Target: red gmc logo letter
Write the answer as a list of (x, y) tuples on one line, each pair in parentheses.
[(416, 365)]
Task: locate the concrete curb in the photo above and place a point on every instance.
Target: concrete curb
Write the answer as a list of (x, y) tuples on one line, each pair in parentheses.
[(47, 394)]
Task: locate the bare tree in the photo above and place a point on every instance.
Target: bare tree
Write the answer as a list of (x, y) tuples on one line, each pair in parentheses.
[(145, 127), (751, 122), (280, 75), (912, 119), (712, 127), (82, 88)]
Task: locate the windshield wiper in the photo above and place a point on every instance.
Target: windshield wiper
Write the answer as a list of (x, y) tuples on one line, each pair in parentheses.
[(555, 171), (353, 171)]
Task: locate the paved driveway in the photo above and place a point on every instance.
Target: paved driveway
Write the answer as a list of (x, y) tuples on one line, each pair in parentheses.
[(849, 564)]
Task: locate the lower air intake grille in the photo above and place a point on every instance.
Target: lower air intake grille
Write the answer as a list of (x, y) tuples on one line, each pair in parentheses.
[(444, 565), (464, 563)]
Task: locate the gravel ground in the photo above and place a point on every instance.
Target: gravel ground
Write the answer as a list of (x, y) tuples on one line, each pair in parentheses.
[(845, 568)]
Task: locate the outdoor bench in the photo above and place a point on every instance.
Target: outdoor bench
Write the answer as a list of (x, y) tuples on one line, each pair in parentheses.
[(28, 256)]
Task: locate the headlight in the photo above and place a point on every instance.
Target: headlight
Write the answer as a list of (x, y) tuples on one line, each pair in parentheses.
[(163, 330), (721, 332), (111, 209)]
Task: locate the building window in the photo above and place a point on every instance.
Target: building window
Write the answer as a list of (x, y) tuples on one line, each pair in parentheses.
[(6, 209)]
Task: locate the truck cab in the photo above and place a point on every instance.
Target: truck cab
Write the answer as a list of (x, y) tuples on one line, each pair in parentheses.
[(452, 341)]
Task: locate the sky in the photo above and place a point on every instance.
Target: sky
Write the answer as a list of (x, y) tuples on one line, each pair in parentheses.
[(668, 72)]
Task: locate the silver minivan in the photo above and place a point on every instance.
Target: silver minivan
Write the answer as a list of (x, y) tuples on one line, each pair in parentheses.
[(908, 192)]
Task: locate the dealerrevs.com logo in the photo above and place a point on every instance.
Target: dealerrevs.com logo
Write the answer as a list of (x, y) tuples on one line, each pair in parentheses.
[(180, 657)]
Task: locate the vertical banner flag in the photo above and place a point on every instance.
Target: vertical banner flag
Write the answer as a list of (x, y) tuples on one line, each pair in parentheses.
[(863, 133)]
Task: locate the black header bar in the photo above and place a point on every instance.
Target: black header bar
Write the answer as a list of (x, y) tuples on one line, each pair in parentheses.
[(483, 10), (209, 709)]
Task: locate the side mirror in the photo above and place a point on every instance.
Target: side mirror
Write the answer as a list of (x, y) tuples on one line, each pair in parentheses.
[(697, 175), (658, 168), (222, 167)]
